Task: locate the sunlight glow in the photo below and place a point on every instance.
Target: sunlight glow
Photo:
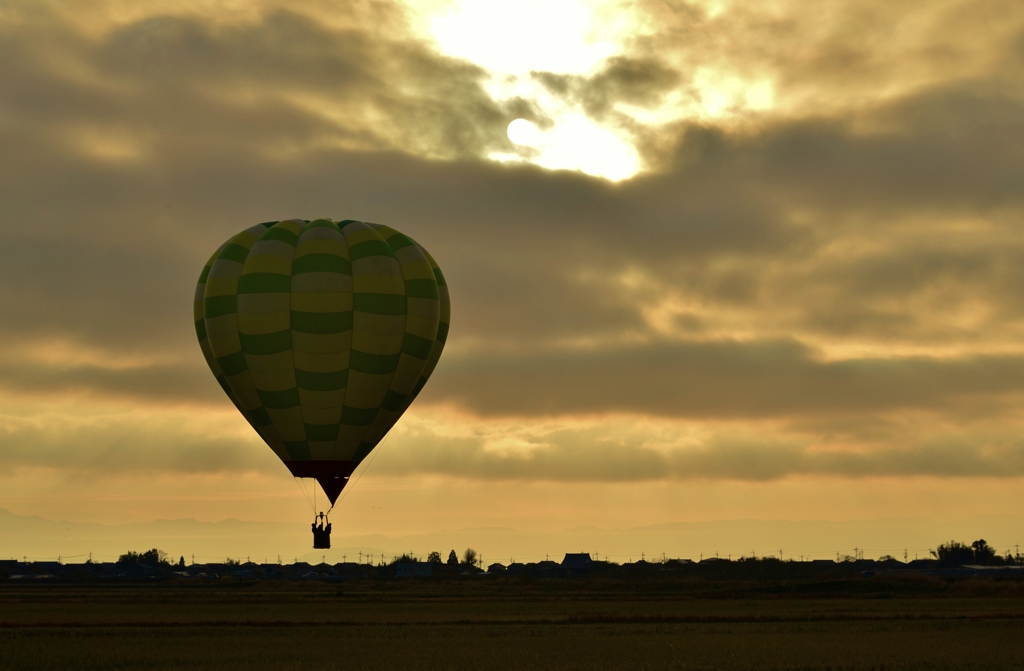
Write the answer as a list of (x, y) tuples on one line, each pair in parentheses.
[(515, 40), (517, 36), (576, 142)]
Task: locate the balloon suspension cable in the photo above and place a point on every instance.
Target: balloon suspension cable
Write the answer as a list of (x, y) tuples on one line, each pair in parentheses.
[(369, 463), (305, 494)]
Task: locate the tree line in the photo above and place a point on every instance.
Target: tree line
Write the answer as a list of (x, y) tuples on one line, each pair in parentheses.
[(946, 555), (980, 553)]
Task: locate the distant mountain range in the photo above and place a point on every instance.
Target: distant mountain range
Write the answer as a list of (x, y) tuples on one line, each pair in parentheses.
[(38, 538)]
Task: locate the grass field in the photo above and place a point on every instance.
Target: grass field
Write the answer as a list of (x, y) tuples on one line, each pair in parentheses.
[(483, 624)]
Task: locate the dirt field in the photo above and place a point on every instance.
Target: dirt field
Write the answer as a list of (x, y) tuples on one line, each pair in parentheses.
[(467, 624)]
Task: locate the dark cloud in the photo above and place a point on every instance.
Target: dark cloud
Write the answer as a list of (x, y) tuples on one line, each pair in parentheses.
[(721, 379), (105, 294), (744, 282), (284, 82), (834, 53), (106, 445), (604, 451), (604, 454), (634, 81), (937, 150), (160, 383)]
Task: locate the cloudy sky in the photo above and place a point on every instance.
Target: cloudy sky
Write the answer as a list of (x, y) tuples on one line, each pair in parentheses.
[(708, 260)]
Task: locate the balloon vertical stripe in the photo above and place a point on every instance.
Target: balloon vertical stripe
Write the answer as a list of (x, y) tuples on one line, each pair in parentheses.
[(220, 309), (264, 327), (321, 322)]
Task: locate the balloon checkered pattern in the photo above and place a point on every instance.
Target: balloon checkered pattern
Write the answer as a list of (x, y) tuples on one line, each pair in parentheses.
[(322, 333)]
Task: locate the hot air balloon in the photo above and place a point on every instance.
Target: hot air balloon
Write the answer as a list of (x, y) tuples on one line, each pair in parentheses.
[(322, 333)]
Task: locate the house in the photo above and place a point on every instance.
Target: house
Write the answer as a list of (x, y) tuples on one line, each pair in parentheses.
[(496, 568), (47, 566), (676, 564), (414, 569), (641, 566), (447, 569), (11, 565), (576, 563)]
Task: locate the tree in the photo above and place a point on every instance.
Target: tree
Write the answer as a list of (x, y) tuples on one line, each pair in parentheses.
[(469, 557), (152, 557), (434, 558), (953, 554), (406, 558), (453, 559), (983, 552), (181, 561)]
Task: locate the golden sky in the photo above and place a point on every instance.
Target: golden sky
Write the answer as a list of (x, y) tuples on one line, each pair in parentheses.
[(708, 260)]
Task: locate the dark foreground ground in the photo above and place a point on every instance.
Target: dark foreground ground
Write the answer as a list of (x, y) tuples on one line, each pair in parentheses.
[(919, 623)]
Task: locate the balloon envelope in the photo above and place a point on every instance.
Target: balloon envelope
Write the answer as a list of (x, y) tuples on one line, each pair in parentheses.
[(321, 333)]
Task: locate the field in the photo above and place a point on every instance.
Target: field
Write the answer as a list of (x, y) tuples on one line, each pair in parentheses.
[(512, 624)]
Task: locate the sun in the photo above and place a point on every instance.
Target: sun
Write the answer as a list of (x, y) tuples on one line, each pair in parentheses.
[(524, 133)]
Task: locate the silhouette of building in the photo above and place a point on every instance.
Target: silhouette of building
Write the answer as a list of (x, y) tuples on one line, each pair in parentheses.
[(414, 569), (577, 563)]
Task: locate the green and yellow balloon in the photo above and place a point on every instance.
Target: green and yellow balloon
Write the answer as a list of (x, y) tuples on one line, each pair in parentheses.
[(322, 333)]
